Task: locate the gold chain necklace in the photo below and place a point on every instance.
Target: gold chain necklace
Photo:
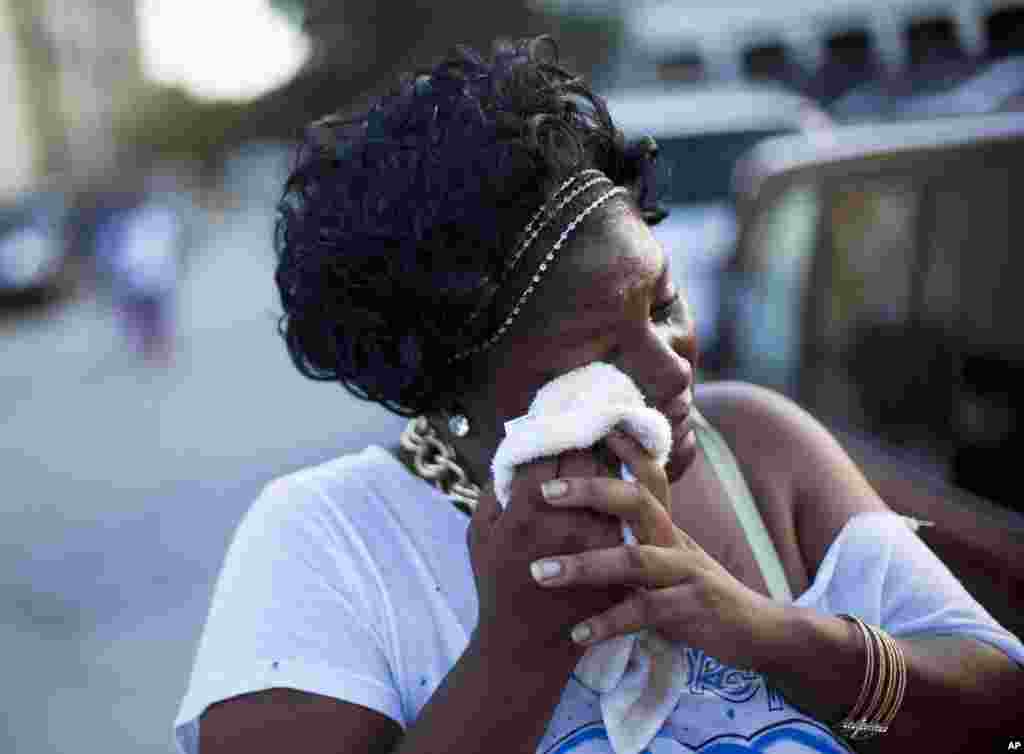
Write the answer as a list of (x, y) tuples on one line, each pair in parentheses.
[(435, 461)]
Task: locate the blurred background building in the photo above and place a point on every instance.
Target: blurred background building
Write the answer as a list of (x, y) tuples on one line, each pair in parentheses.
[(145, 397), (76, 75), (18, 132)]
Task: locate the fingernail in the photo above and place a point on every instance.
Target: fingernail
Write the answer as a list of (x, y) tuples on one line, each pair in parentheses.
[(581, 633), (545, 569), (554, 488)]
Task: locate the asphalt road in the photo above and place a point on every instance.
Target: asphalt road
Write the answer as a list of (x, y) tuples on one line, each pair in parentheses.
[(121, 485)]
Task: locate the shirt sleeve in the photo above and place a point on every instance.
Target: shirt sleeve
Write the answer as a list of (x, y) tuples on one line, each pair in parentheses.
[(294, 606), (881, 571)]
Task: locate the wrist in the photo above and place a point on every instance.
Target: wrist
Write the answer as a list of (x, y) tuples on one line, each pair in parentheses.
[(815, 660), (779, 630), (503, 655)]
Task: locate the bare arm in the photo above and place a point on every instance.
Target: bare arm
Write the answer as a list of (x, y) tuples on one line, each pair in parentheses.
[(959, 690), (485, 703), (281, 720), (490, 702)]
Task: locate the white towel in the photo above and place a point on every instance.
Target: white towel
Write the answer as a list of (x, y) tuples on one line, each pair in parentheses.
[(639, 677), (578, 410)]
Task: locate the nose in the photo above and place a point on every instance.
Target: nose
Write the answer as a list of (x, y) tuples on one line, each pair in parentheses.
[(659, 371)]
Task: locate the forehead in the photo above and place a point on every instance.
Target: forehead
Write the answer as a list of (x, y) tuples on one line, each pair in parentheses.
[(617, 258)]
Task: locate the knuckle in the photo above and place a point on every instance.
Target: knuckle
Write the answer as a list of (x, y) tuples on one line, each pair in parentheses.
[(521, 529), (528, 477), (602, 531), (575, 541), (636, 559), (611, 536), (641, 498), (645, 606), (586, 488), (579, 569)]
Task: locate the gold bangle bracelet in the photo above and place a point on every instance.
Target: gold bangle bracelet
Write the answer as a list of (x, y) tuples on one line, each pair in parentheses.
[(889, 694), (866, 684), (885, 684), (882, 680), (855, 725), (901, 681), (902, 691), (891, 688)]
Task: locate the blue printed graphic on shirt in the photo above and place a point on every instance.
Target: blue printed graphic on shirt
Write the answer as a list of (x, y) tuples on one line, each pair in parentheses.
[(794, 736), (724, 710)]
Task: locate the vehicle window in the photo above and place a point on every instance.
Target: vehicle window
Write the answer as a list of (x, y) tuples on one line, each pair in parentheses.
[(702, 164), (972, 281), (770, 299), (872, 231), (914, 336), (972, 289), (877, 363)]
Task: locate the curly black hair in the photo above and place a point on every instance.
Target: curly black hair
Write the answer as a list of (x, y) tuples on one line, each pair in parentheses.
[(394, 224)]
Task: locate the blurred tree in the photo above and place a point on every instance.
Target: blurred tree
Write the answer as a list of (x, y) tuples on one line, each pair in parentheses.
[(359, 49), (169, 124), (101, 124)]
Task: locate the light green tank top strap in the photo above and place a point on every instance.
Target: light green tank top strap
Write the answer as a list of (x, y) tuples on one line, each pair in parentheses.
[(728, 472)]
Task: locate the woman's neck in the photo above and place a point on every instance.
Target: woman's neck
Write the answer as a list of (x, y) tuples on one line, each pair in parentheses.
[(474, 472)]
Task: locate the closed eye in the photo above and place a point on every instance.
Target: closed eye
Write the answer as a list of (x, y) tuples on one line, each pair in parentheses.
[(661, 312)]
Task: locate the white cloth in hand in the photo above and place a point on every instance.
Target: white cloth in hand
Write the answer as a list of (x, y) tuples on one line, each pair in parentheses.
[(640, 677)]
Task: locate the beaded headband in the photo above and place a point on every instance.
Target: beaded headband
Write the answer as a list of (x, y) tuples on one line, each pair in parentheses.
[(530, 234)]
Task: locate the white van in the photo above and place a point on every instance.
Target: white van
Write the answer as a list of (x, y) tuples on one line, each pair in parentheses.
[(719, 33)]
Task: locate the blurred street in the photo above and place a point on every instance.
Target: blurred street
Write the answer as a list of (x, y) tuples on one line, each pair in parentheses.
[(124, 482)]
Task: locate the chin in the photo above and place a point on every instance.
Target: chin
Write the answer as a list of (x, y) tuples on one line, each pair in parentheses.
[(681, 457)]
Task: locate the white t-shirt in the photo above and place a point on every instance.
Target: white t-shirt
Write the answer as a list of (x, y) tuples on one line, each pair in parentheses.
[(352, 579)]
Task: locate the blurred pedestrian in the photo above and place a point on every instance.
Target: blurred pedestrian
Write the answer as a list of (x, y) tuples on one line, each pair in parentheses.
[(138, 248)]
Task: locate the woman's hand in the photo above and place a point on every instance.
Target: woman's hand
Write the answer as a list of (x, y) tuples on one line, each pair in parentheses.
[(677, 588), (517, 618)]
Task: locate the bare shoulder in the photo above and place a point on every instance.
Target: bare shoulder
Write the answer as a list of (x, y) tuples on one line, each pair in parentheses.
[(784, 450), (281, 719)]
